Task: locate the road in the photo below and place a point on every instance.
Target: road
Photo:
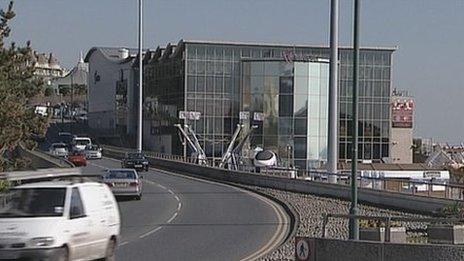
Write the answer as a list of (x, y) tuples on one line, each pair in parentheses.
[(181, 218)]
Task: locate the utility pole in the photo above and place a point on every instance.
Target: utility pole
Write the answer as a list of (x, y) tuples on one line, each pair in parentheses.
[(140, 108), (354, 223), (332, 146)]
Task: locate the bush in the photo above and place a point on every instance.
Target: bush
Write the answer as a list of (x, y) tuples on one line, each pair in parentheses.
[(4, 186)]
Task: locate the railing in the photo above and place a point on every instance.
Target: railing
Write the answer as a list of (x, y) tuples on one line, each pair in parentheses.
[(387, 220), (431, 189)]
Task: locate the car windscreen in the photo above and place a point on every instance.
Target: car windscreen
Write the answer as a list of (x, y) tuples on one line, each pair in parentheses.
[(60, 146), (135, 156), (34, 202), (120, 174), (82, 142), (91, 147)]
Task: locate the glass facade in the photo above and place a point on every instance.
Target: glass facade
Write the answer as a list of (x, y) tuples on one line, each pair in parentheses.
[(207, 77), (292, 96)]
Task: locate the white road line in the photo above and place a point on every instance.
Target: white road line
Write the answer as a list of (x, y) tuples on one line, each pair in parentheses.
[(150, 232), (283, 222), (179, 205), (173, 217)]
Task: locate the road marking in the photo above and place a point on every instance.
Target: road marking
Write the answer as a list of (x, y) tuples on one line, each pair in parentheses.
[(173, 217), (123, 243), (282, 228), (278, 236), (150, 232)]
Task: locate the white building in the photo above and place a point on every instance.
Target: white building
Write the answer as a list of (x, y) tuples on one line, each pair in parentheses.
[(112, 83)]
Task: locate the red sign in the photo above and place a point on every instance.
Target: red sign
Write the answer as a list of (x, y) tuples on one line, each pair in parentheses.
[(402, 113)]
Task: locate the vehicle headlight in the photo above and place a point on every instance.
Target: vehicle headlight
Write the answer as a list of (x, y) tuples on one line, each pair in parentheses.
[(42, 241)]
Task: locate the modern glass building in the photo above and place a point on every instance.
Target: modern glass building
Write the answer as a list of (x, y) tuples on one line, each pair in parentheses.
[(220, 79), (292, 97)]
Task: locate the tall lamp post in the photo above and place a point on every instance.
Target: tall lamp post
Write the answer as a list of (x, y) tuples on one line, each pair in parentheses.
[(140, 109), (332, 146), (354, 224)]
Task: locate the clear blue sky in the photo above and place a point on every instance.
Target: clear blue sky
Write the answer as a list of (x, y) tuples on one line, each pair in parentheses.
[(429, 34)]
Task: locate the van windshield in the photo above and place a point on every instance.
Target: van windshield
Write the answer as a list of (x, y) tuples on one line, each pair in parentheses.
[(33, 202)]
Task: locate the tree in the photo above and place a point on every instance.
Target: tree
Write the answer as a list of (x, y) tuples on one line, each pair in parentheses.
[(48, 92), (17, 86)]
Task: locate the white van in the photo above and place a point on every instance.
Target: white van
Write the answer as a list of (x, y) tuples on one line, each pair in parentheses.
[(59, 220), (81, 142)]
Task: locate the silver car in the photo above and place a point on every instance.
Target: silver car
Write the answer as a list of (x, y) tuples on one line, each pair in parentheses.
[(124, 182)]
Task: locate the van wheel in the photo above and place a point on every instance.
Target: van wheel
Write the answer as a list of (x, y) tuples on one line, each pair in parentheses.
[(63, 254), (138, 197), (109, 256)]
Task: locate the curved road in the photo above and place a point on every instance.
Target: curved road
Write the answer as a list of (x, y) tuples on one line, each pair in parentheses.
[(181, 218)]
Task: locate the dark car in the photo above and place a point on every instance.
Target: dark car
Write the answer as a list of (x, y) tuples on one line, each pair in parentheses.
[(135, 160)]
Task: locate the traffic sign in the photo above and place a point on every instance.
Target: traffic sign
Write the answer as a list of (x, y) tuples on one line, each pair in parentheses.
[(302, 249), (189, 115), (244, 115), (258, 116)]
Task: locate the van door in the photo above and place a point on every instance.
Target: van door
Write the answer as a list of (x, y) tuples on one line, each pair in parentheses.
[(80, 227), (93, 200)]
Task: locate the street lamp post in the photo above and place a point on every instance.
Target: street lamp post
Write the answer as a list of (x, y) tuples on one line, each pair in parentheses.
[(140, 109), (354, 224), (332, 145)]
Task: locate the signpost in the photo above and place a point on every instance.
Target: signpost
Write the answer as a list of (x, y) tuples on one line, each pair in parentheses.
[(258, 116), (304, 249), (244, 115)]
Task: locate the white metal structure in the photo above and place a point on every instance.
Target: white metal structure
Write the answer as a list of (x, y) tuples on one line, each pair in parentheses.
[(191, 138), (61, 220)]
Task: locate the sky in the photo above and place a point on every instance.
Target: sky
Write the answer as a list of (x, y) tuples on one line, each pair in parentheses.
[(429, 62)]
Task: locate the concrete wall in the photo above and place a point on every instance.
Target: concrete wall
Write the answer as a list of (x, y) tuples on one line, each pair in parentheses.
[(324, 249), (40, 160), (401, 139), (387, 199)]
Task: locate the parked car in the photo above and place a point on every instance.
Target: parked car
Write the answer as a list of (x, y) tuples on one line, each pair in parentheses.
[(93, 152), (77, 157), (59, 220), (59, 150), (124, 182), (135, 160), (80, 143)]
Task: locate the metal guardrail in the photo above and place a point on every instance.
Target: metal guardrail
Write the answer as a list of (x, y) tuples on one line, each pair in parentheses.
[(40, 174), (430, 189), (387, 220)]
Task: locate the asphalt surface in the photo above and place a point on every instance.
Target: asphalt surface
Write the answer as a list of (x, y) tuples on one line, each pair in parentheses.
[(180, 218)]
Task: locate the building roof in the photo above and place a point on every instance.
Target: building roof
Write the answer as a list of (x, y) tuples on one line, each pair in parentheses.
[(288, 45), (112, 53)]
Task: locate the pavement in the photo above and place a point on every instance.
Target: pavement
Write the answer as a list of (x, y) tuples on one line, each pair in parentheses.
[(181, 218)]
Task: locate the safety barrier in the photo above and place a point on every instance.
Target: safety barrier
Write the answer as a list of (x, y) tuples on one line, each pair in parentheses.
[(391, 199)]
